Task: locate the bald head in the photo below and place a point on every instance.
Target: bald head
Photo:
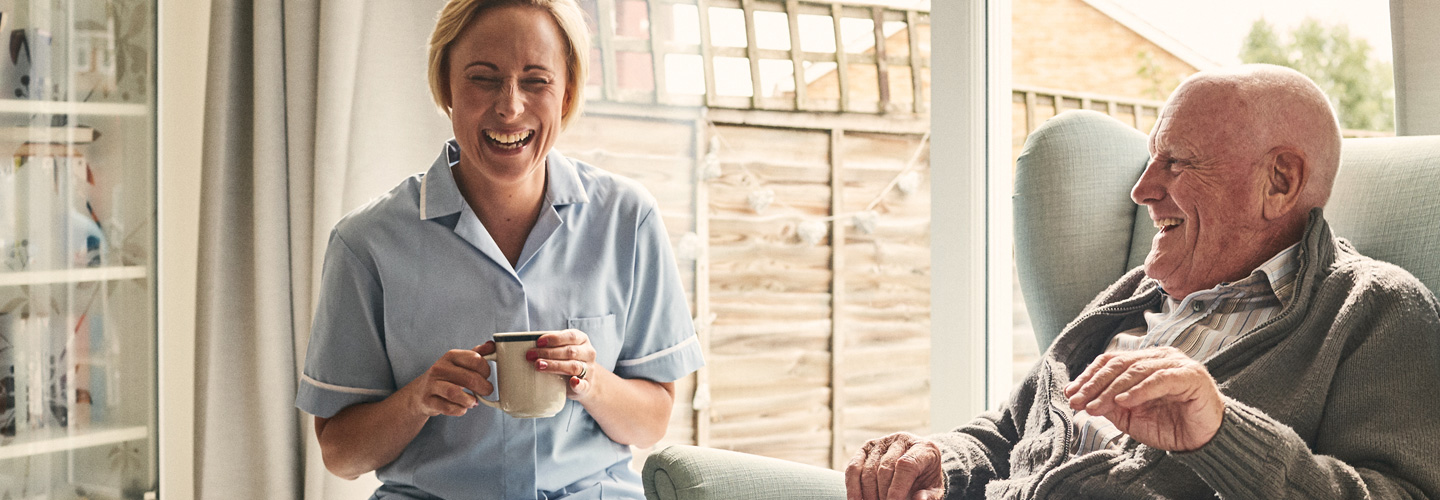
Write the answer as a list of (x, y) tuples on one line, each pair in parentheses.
[(1264, 107), (1238, 157)]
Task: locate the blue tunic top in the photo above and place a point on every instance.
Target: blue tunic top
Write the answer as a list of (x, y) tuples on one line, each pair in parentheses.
[(413, 274)]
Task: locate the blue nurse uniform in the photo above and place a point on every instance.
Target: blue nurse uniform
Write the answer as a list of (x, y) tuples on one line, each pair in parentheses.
[(413, 274)]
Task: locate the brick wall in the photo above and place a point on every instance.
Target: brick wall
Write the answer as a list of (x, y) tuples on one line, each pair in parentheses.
[(1068, 45)]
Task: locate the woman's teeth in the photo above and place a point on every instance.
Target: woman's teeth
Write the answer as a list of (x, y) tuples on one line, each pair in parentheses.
[(509, 141)]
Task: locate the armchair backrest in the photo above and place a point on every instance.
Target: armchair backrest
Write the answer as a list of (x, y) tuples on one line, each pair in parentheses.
[(1077, 231)]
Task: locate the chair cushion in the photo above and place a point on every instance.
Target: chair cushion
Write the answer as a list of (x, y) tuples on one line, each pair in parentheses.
[(693, 473), (1074, 220), (1387, 202)]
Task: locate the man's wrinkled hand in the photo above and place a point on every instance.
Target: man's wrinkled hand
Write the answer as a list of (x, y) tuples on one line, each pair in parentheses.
[(901, 466), (1158, 396)]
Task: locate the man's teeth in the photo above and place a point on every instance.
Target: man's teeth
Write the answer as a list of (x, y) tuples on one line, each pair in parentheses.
[(508, 139), (1167, 222)]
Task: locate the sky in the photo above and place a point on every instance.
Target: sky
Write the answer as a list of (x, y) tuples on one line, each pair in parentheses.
[(1215, 28)]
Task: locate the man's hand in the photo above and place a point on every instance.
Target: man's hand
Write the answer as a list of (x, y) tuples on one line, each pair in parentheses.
[(901, 466), (1158, 396)]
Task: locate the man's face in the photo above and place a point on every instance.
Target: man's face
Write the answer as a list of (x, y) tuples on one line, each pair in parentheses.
[(1204, 189)]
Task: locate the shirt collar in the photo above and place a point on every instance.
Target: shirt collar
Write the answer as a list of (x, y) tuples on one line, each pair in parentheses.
[(1276, 275), (440, 195), (1280, 271)]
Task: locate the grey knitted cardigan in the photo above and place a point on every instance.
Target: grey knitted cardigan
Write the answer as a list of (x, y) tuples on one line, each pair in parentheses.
[(1336, 397)]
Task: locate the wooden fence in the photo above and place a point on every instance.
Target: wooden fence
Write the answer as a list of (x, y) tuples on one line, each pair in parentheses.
[(793, 56), (815, 342), (1033, 105)]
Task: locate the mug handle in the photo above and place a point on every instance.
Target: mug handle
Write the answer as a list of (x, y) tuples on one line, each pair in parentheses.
[(496, 403)]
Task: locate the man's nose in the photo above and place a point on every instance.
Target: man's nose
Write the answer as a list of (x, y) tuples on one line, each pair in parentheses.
[(1151, 186)]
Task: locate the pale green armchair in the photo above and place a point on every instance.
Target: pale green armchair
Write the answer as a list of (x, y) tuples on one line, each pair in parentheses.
[(1076, 232)]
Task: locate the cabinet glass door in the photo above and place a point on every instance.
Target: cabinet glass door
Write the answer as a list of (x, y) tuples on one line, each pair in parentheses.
[(77, 249)]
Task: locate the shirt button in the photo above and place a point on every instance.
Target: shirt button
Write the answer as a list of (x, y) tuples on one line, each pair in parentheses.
[(1197, 306)]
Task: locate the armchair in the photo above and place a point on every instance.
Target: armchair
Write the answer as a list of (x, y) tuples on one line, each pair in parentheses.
[(1076, 232)]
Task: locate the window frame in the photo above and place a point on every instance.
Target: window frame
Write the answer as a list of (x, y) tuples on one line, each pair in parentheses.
[(971, 218)]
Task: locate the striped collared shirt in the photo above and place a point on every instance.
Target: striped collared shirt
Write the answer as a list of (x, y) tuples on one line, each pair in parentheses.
[(1201, 325)]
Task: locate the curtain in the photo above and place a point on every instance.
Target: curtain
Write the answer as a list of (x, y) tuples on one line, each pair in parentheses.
[(313, 107)]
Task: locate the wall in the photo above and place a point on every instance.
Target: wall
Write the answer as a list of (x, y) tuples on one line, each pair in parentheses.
[(1417, 67), (1068, 45), (184, 32)]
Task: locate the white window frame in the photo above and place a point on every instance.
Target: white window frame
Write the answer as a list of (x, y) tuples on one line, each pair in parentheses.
[(971, 215)]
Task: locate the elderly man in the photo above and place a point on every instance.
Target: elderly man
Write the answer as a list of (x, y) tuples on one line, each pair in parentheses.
[(1254, 355)]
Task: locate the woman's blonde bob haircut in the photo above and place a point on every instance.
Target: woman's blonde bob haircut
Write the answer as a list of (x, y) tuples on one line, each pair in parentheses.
[(457, 14)]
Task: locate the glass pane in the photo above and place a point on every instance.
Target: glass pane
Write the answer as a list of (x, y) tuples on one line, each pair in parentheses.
[(77, 325), (684, 74), (634, 71), (772, 30), (859, 34), (732, 77), (632, 19), (817, 33), (821, 81), (897, 39), (777, 77), (687, 24), (727, 27)]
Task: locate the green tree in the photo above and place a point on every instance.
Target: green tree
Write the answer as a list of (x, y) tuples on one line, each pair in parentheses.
[(1361, 88), (1157, 83)]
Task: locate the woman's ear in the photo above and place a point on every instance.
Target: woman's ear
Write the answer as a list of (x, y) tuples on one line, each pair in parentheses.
[(1286, 171)]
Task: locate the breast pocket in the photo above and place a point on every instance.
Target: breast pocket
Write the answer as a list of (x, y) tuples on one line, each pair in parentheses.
[(603, 336)]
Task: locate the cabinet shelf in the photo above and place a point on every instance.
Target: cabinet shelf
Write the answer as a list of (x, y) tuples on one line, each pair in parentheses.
[(73, 275), (26, 106), (67, 440)]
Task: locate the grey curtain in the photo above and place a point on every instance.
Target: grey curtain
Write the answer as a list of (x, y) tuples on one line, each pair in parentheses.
[(313, 107), (256, 200)]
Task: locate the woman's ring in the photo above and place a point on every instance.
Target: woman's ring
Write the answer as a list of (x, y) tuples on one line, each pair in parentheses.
[(584, 370)]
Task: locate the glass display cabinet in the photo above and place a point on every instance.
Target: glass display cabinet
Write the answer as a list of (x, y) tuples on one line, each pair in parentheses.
[(77, 249)]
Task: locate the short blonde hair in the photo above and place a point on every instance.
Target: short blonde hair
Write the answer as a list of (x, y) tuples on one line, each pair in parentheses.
[(457, 14)]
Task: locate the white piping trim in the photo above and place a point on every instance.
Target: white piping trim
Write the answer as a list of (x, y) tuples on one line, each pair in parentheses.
[(657, 354), (341, 388), (423, 182)]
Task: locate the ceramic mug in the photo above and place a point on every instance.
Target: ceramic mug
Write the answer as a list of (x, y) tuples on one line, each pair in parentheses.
[(524, 391)]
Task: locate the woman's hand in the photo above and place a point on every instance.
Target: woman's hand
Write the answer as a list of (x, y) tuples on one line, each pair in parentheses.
[(451, 385), (630, 411), (569, 353), (363, 437)]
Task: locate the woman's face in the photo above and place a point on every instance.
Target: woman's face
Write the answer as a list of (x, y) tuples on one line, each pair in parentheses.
[(507, 88)]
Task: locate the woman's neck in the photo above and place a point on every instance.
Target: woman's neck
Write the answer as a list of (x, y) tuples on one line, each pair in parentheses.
[(507, 209)]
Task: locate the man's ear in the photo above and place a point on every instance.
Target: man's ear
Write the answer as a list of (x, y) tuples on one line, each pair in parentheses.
[(1286, 172)]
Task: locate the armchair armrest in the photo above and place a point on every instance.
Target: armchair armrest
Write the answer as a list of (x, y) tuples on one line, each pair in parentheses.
[(692, 473)]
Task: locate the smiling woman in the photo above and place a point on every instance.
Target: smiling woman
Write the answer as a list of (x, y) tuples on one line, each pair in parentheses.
[(502, 234), (508, 96)]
